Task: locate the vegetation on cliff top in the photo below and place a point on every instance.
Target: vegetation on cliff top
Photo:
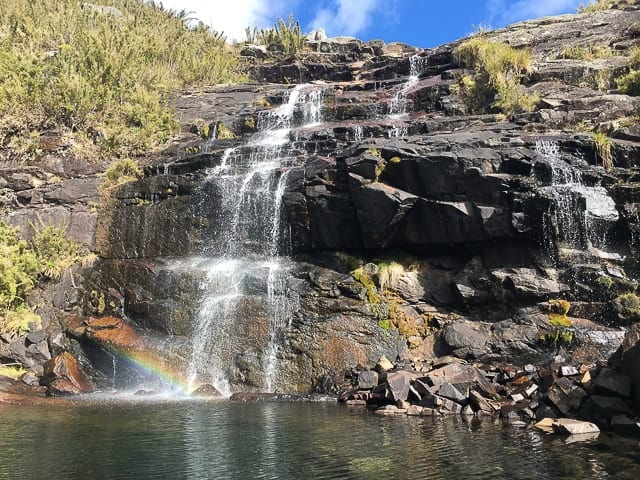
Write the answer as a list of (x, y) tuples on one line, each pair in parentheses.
[(285, 35), (104, 75)]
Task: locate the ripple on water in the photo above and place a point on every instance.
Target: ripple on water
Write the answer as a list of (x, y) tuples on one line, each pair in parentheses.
[(220, 440)]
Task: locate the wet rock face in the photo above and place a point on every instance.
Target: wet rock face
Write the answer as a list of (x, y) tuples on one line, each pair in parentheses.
[(627, 361), (397, 171)]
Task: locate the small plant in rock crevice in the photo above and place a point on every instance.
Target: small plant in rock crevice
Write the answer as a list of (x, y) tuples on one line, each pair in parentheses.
[(603, 147), (627, 306)]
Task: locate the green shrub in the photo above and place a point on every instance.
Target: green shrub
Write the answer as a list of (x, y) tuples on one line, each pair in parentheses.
[(20, 321), (559, 320), (557, 336), (630, 82), (56, 252), (49, 253), (499, 69), (108, 77), (13, 372)]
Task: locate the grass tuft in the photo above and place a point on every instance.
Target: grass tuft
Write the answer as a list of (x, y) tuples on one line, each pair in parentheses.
[(499, 69)]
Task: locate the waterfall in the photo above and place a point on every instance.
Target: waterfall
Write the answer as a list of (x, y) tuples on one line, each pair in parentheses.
[(580, 215), (245, 286), (398, 103)]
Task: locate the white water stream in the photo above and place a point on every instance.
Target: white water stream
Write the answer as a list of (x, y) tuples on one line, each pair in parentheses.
[(246, 267), (581, 213), (398, 103)]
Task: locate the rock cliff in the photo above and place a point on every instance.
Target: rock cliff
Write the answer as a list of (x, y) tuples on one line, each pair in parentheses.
[(417, 224)]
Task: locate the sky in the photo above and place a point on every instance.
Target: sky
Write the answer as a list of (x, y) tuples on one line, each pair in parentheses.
[(424, 23)]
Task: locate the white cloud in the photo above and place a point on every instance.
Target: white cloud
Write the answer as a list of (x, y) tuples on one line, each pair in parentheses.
[(346, 17), (502, 12), (233, 16)]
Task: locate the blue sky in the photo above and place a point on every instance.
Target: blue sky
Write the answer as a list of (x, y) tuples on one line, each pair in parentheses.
[(424, 23)]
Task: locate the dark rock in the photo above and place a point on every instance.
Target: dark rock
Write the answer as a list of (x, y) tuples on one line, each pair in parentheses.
[(606, 407), (367, 379), (625, 425), (206, 390), (36, 337), (398, 384), (610, 382), (627, 360), (449, 391), (145, 393), (466, 339)]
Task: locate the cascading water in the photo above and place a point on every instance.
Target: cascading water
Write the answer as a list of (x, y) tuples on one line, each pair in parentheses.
[(398, 104), (580, 214), (245, 286)]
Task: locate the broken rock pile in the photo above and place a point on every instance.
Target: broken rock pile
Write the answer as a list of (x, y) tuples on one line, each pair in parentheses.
[(519, 395)]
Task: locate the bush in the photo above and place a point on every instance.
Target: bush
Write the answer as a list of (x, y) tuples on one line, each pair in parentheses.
[(499, 69), (630, 82), (21, 262), (56, 252), (106, 76), (19, 267), (13, 372), (559, 306)]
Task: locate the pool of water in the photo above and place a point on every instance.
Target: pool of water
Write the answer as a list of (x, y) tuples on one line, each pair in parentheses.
[(221, 440)]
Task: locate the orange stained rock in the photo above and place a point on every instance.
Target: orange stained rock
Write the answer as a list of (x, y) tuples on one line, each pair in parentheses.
[(64, 375), (115, 332)]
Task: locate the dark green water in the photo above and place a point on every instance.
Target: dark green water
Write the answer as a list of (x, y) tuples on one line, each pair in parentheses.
[(218, 440)]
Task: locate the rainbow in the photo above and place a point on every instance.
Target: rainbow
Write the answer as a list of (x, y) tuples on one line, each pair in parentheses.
[(154, 365)]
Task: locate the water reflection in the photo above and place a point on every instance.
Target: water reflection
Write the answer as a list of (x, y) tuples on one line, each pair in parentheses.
[(218, 440)]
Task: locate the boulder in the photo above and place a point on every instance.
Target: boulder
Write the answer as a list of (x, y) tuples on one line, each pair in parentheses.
[(452, 393), (610, 382), (627, 361), (384, 364), (467, 339), (206, 390), (63, 375), (574, 427), (398, 384), (367, 379)]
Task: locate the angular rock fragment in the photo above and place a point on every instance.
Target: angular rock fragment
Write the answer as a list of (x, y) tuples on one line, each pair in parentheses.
[(574, 427), (63, 375), (367, 379)]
